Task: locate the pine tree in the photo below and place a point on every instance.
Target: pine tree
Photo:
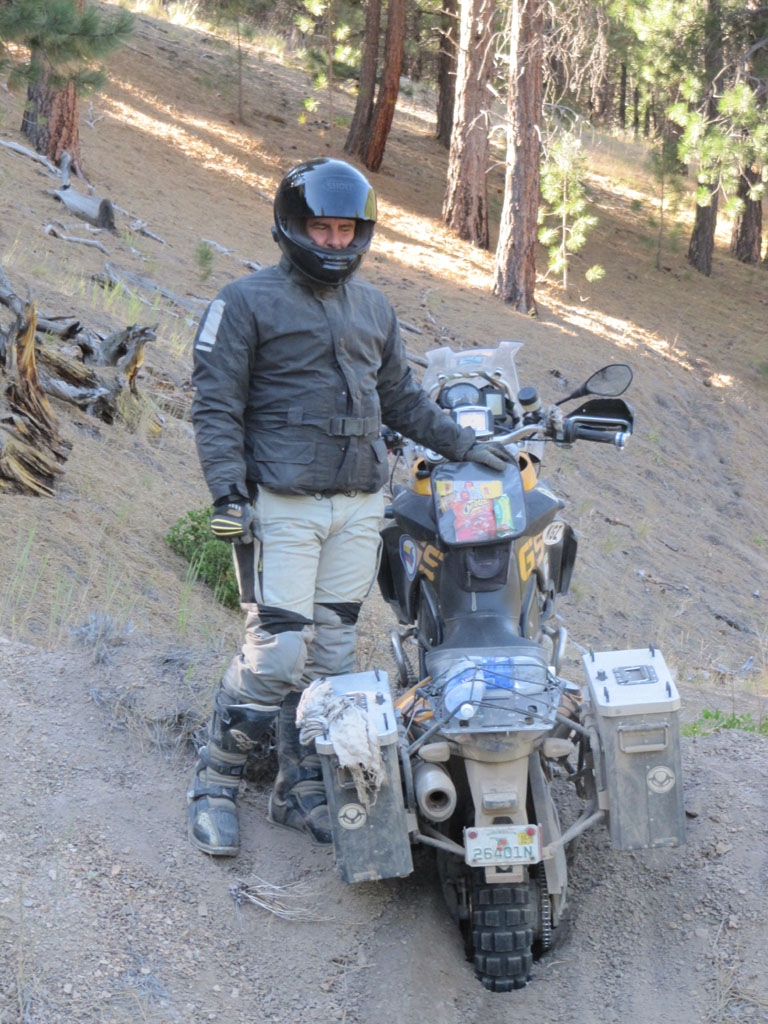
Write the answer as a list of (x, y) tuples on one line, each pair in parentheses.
[(565, 216), (63, 39), (708, 57)]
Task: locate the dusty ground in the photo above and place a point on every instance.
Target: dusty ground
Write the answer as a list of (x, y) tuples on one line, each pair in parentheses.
[(108, 655)]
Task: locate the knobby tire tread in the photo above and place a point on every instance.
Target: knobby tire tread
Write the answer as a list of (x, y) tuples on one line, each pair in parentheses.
[(502, 935)]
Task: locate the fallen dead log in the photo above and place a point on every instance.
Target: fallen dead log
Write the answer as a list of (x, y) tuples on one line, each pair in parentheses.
[(32, 451), (115, 276), (92, 400), (64, 326), (8, 296), (70, 381), (98, 212), (733, 623)]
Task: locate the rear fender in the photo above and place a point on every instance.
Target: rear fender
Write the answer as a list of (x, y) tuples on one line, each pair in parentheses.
[(499, 792)]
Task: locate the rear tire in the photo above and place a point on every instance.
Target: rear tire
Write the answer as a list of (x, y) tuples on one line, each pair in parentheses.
[(500, 933)]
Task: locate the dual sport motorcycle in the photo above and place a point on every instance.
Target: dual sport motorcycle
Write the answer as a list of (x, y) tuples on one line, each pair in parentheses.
[(482, 721)]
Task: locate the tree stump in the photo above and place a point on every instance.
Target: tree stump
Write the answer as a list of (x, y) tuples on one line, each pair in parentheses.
[(32, 452)]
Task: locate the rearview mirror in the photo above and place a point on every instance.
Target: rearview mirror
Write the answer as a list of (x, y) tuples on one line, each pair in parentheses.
[(609, 382)]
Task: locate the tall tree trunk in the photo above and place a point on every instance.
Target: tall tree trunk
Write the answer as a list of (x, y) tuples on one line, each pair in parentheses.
[(702, 244), (414, 68), (240, 109), (515, 270), (746, 237), (636, 111), (623, 98), (384, 110), (50, 121), (446, 72), (465, 207), (366, 88)]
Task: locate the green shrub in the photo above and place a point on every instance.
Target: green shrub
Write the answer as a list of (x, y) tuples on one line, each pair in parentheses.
[(714, 721), (210, 559)]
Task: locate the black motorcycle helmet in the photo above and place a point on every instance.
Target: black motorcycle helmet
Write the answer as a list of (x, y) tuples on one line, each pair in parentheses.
[(324, 188)]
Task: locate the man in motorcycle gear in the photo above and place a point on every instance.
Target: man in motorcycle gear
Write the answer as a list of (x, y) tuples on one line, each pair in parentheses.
[(296, 367)]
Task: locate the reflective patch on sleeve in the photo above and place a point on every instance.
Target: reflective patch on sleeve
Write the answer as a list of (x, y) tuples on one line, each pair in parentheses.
[(207, 337)]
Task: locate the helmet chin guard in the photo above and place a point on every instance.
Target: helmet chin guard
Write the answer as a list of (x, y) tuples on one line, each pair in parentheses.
[(324, 188)]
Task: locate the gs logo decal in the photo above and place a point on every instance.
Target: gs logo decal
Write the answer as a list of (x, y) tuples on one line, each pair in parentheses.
[(423, 558)]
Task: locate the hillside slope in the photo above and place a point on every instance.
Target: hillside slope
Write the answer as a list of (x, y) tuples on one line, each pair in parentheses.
[(108, 654)]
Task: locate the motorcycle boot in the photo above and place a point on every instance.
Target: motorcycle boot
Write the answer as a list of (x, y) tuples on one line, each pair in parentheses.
[(234, 731), (298, 800)]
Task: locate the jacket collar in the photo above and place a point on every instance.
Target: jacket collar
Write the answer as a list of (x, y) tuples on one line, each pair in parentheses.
[(320, 291)]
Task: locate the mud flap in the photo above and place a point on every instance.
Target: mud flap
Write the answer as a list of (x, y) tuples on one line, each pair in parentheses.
[(555, 866)]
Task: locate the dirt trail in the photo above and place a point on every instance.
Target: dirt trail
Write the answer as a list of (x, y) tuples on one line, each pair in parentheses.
[(109, 915)]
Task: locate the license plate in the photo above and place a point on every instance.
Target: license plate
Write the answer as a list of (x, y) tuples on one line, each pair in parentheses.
[(497, 845)]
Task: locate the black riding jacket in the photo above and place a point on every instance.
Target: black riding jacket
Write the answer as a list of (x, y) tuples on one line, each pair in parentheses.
[(293, 382)]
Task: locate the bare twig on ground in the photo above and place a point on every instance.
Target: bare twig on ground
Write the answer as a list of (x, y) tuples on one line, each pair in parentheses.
[(293, 901), (733, 623), (667, 584), (56, 233), (406, 325), (141, 227)]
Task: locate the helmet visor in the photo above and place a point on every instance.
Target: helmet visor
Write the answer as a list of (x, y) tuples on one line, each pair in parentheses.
[(329, 189)]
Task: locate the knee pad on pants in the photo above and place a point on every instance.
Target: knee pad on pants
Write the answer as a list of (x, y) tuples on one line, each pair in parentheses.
[(272, 660), (332, 652)]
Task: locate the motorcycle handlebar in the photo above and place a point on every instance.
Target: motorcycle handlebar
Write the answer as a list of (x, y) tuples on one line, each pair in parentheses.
[(617, 438), (572, 431), (521, 434)]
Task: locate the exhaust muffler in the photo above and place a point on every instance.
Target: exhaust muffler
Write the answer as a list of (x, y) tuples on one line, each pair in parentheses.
[(435, 791)]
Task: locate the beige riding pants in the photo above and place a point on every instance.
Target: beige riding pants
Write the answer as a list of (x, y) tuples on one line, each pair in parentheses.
[(302, 583)]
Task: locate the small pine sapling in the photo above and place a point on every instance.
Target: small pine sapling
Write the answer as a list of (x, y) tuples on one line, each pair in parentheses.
[(564, 217)]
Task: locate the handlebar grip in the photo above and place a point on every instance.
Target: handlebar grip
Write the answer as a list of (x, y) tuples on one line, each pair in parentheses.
[(617, 438)]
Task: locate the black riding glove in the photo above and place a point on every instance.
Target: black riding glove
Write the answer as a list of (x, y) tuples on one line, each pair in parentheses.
[(487, 453), (232, 520)]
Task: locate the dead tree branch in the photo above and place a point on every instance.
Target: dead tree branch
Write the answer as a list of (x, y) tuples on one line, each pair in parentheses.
[(50, 229)]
